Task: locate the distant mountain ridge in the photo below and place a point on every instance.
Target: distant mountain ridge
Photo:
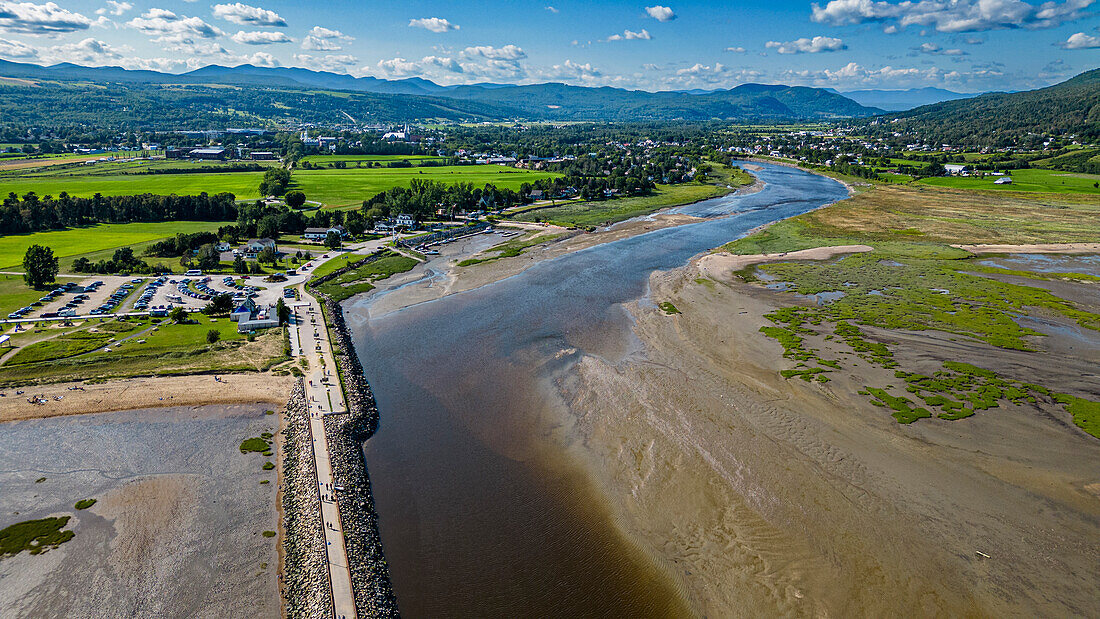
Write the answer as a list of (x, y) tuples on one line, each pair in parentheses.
[(901, 100), (1003, 119), (550, 101)]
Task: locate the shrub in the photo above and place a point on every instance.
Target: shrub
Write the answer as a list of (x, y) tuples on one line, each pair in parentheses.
[(212, 336), (84, 503)]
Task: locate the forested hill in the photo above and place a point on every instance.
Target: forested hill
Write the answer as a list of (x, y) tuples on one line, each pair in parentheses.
[(1001, 119), (115, 98), (745, 102)]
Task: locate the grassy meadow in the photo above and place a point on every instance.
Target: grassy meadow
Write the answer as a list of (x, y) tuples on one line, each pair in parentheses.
[(95, 242), (333, 187), (915, 281), (583, 214), (1031, 180)]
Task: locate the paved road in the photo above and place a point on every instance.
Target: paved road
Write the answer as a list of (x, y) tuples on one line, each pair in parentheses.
[(325, 398)]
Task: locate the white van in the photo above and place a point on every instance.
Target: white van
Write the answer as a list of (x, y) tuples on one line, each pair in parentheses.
[(194, 273)]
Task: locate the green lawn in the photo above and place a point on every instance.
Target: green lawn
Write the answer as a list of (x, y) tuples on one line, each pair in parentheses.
[(585, 214), (363, 278), (244, 185), (1052, 181), (351, 186), (326, 159), (76, 242), (171, 349), (348, 187)]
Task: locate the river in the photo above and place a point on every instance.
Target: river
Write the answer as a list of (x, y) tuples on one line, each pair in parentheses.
[(486, 508)]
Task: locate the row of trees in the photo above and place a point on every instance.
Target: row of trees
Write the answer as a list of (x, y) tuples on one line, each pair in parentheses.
[(32, 213)]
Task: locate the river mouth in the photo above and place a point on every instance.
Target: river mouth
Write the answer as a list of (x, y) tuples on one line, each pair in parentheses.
[(488, 505)]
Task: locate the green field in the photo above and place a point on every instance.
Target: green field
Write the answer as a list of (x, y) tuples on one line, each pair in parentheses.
[(154, 348), (362, 279), (583, 214), (244, 185), (87, 241), (325, 159), (351, 186), (348, 187), (1050, 181)]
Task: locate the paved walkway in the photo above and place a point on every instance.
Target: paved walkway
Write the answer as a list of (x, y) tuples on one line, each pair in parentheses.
[(325, 398)]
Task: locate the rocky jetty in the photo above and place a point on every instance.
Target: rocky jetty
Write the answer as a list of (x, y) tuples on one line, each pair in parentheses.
[(369, 573), (305, 584)]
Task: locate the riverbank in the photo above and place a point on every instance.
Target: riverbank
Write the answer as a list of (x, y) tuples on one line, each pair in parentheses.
[(177, 525), (62, 399), (714, 460)]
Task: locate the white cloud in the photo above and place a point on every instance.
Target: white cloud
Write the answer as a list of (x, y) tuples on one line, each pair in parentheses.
[(736, 50), (115, 8), (629, 35), (17, 50), (322, 39), (87, 52), (953, 15), (434, 24), (1081, 40), (660, 13), (932, 48), (551, 9), (333, 63), (167, 27), (478, 63), (244, 14), (260, 37), (807, 46), (40, 19)]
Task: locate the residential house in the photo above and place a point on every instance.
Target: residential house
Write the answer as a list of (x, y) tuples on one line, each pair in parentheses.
[(320, 234), (255, 246)]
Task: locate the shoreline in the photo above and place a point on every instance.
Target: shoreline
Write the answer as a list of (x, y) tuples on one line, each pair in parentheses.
[(143, 393)]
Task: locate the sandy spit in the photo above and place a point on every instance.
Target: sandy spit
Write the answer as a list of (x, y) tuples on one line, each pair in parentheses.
[(720, 265), (147, 392), (1035, 248)]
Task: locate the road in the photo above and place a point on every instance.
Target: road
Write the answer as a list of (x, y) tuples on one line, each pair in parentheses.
[(325, 398)]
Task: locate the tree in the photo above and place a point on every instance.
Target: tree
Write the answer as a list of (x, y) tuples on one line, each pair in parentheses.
[(267, 254), (255, 268), (332, 240), (212, 336), (209, 258), (239, 265), (39, 266), (268, 227), (221, 304), (282, 311), (274, 182), (178, 315), (295, 199)]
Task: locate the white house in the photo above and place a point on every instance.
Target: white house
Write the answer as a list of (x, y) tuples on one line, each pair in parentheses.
[(1004, 180), (255, 246), (320, 234), (406, 221), (222, 246), (954, 168)]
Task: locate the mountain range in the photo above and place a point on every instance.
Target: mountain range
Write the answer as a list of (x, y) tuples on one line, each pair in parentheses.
[(1006, 119), (900, 100), (550, 101)]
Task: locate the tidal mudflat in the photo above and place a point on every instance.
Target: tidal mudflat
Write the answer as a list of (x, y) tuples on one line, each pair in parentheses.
[(177, 527)]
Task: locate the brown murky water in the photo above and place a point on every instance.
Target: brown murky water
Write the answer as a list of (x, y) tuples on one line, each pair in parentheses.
[(484, 509)]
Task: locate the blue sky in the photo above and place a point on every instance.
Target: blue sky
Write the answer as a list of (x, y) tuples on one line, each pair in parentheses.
[(962, 45)]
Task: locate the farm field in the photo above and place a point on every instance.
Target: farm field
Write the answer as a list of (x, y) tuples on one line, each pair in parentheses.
[(87, 241), (1050, 181), (335, 188), (326, 159), (243, 185), (342, 188)]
